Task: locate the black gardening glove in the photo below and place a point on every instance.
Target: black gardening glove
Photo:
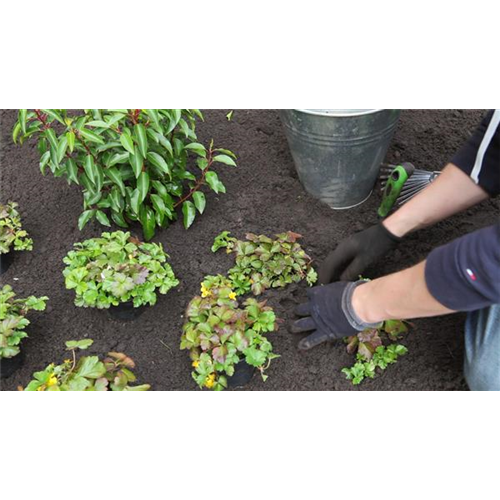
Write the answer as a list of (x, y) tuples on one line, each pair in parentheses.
[(328, 315), (356, 253)]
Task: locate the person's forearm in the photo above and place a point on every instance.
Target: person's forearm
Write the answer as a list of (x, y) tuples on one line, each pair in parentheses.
[(452, 192), (403, 295)]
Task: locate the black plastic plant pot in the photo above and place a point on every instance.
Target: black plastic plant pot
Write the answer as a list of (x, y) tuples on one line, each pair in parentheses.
[(126, 311), (5, 261), (243, 373), (8, 366)]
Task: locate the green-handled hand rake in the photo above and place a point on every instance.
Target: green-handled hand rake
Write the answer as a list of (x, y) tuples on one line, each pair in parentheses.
[(400, 183)]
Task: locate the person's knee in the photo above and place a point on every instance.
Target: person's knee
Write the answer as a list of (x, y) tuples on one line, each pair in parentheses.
[(482, 349), (482, 376)]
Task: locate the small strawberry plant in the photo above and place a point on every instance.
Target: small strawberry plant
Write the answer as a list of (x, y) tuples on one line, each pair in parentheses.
[(12, 234), (13, 321), (134, 165), (381, 358), (263, 263), (219, 333), (117, 268), (370, 351), (87, 373)]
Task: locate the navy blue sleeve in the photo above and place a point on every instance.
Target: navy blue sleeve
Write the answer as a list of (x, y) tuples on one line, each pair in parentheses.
[(479, 157), (464, 275)]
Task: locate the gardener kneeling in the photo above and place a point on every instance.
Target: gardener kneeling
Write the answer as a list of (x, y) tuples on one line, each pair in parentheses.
[(463, 275)]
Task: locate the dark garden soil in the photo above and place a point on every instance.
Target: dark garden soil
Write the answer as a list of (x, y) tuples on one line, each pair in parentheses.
[(263, 196)]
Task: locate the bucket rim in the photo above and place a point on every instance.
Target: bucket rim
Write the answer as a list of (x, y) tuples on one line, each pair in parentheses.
[(363, 112)]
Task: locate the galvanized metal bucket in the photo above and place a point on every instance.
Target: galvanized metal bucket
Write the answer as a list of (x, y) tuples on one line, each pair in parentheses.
[(338, 152)]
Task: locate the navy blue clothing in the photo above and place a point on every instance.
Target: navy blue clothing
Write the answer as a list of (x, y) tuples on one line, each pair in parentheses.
[(464, 275), (479, 157)]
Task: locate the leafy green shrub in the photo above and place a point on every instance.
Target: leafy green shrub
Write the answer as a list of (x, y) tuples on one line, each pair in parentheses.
[(219, 333), (263, 263), (131, 163), (88, 373), (117, 268), (13, 319), (370, 351), (11, 231)]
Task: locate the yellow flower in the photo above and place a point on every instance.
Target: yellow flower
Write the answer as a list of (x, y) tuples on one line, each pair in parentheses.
[(228, 250), (251, 282), (205, 292), (232, 296), (67, 361), (52, 381), (41, 388), (196, 364), (210, 381)]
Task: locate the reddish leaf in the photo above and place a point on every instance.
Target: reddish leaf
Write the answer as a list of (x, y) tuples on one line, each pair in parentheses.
[(352, 344)]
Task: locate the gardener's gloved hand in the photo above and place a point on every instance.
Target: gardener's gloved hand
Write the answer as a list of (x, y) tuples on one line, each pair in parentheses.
[(353, 255), (328, 315)]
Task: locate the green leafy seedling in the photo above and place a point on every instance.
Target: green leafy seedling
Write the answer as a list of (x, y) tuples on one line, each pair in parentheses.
[(262, 263), (12, 234), (13, 321), (117, 268), (87, 373), (370, 351), (220, 333), (381, 359)]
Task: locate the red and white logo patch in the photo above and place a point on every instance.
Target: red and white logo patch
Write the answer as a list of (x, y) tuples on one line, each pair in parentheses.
[(472, 276)]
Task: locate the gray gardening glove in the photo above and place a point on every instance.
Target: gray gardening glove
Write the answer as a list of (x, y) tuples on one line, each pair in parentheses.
[(328, 315), (353, 255)]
